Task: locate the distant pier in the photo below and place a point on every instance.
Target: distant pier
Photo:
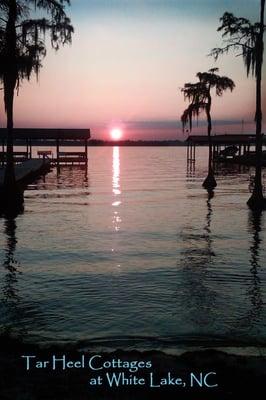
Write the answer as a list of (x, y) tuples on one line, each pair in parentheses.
[(235, 148)]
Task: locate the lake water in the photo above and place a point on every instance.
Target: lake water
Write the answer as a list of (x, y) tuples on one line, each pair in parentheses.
[(133, 253)]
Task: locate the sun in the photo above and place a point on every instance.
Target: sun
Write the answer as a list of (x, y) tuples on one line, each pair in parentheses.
[(116, 133)]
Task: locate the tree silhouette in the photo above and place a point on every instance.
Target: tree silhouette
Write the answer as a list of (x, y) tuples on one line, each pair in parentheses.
[(199, 96), (22, 49), (241, 35)]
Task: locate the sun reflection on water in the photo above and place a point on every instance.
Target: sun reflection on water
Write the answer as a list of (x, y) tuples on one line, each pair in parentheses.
[(116, 171), (116, 188)]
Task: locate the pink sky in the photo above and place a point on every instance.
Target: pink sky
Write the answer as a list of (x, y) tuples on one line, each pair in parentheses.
[(126, 69)]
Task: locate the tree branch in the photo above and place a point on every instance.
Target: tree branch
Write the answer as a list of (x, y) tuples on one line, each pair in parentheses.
[(221, 50)]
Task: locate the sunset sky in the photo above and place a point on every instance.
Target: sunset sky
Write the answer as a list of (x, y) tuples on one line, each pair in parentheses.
[(126, 65)]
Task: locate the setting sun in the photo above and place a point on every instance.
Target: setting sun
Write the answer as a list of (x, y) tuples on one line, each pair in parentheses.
[(116, 133)]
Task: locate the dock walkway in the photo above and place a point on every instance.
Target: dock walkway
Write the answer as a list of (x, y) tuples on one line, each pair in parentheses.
[(27, 170)]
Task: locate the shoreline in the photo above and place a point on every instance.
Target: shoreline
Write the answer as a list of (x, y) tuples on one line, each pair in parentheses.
[(235, 374), (175, 346)]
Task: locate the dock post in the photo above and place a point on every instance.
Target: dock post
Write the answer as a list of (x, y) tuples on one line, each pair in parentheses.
[(86, 149), (57, 151), (30, 149), (3, 146), (3, 151), (27, 148)]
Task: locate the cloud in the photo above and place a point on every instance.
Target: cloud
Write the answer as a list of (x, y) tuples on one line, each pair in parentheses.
[(173, 124)]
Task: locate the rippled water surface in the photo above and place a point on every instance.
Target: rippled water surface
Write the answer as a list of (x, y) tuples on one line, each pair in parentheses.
[(133, 250)]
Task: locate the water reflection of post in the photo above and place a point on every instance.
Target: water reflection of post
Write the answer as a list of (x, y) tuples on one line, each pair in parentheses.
[(191, 169), (116, 189), (69, 175), (11, 297), (207, 227), (58, 172), (254, 291), (86, 175), (198, 296)]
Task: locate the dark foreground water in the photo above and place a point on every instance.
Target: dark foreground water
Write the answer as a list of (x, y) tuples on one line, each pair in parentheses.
[(133, 253)]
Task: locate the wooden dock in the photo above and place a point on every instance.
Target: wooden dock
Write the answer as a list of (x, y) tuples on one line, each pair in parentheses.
[(27, 171), (58, 139), (231, 148), (70, 158)]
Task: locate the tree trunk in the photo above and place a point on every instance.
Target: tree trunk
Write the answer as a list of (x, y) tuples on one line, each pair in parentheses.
[(210, 182), (9, 180), (11, 202), (257, 201), (11, 196)]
